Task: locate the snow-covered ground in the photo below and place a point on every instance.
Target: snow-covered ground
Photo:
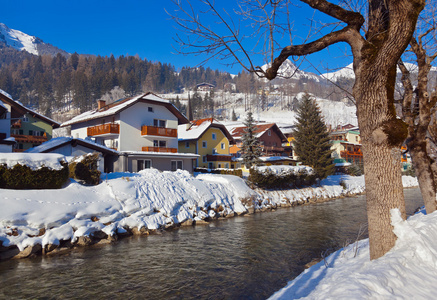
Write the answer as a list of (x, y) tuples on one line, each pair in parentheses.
[(408, 271)]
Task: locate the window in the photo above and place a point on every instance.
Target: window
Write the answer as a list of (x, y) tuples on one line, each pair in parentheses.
[(187, 144), (150, 109), (159, 123), (176, 165), (223, 146), (143, 164), (160, 144), (214, 136), (204, 144), (214, 151), (269, 133), (25, 119), (204, 159)]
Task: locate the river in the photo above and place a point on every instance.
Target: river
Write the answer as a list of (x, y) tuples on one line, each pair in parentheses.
[(247, 257)]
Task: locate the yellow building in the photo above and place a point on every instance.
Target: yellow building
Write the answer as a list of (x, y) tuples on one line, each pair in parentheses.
[(208, 138)]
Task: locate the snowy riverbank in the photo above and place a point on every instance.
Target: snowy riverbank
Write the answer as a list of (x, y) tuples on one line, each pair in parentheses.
[(408, 271), (35, 221)]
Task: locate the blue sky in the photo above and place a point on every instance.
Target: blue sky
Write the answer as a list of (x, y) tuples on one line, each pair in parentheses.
[(126, 27)]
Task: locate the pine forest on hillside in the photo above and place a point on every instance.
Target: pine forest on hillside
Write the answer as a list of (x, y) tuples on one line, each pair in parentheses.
[(57, 84)]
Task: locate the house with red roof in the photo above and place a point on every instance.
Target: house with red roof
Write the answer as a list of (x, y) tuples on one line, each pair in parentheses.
[(269, 136)]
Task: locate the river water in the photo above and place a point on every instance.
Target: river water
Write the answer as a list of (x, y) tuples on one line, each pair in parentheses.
[(239, 258)]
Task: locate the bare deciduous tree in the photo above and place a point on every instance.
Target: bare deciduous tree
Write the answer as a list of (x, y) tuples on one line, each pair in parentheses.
[(376, 42), (418, 105)]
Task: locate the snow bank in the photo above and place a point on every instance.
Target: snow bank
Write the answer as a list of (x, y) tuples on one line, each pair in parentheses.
[(282, 169), (33, 160), (147, 200), (408, 271)]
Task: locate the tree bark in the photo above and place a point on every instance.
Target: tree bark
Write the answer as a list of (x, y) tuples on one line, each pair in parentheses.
[(391, 26)]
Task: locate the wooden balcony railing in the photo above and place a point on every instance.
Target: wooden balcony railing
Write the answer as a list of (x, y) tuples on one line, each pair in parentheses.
[(159, 131), (159, 149), (218, 157), (33, 139), (351, 153), (110, 128), (272, 148)]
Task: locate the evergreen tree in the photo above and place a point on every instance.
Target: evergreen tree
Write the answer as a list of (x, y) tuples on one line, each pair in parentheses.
[(311, 143), (251, 150), (234, 116)]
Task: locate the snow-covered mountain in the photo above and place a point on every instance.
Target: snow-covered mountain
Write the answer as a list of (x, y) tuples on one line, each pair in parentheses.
[(348, 72), (24, 42), (290, 70)]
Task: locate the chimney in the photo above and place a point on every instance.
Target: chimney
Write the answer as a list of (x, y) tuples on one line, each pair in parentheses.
[(100, 103)]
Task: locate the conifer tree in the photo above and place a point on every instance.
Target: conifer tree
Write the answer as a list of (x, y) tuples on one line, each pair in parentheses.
[(251, 150), (311, 143), (234, 116)]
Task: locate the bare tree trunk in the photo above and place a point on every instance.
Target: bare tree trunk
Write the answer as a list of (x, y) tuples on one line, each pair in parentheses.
[(422, 165)]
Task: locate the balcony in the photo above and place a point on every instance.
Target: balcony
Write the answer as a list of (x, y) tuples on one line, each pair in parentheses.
[(351, 153), (110, 129), (32, 139), (159, 131), (218, 157), (272, 148), (159, 149)]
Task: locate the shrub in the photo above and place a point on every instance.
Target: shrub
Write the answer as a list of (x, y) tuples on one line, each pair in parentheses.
[(85, 170), (22, 177), (268, 179), (237, 172)]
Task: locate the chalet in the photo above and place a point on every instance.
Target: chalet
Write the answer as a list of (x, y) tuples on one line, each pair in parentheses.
[(27, 127), (346, 146), (208, 138), (269, 136), (143, 129), (205, 87)]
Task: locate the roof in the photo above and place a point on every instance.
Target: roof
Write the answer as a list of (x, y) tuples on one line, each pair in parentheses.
[(6, 98), (61, 141), (259, 130), (122, 104), (198, 127)]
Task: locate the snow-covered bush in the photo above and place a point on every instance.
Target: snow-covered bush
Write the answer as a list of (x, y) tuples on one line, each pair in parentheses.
[(22, 177), (85, 170), (286, 177)]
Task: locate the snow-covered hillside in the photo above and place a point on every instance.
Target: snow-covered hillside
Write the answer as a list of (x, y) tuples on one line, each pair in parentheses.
[(17, 39), (24, 42)]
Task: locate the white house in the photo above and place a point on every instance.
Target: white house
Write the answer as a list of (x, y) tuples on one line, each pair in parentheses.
[(6, 142), (143, 129)]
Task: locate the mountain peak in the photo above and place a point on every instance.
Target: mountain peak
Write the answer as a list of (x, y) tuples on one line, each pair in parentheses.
[(24, 42)]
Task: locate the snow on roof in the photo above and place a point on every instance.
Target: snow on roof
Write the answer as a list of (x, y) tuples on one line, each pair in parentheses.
[(6, 94), (161, 154), (113, 108), (260, 129), (196, 129), (55, 142), (33, 160)]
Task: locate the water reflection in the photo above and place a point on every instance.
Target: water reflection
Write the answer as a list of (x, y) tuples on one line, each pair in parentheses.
[(240, 258)]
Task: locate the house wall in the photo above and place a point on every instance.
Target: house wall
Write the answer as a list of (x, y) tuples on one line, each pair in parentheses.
[(272, 140), (5, 127), (5, 148), (160, 163), (138, 115), (211, 144), (32, 125)]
